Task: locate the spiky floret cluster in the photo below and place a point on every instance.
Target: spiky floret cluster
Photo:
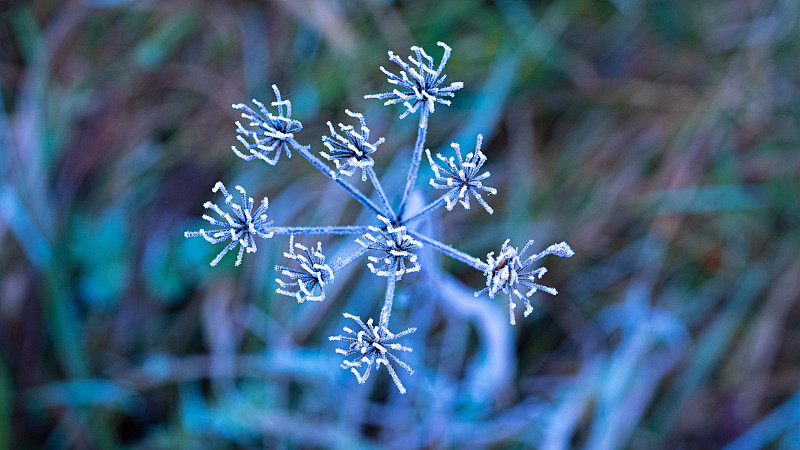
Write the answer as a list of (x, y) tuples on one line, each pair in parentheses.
[(509, 272), (241, 228), (371, 345), (419, 87), (307, 282), (271, 134), (422, 83), (461, 178), (350, 150), (395, 246)]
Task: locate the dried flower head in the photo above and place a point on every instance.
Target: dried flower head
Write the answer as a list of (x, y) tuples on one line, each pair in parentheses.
[(396, 247), (351, 149), (241, 228), (508, 272), (461, 178), (371, 346), (422, 83), (308, 281), (270, 134)]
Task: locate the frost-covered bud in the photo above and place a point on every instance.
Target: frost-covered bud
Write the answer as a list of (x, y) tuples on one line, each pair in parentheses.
[(419, 82), (241, 228), (270, 134), (351, 149), (396, 248), (372, 345), (461, 177), (307, 282), (509, 272)]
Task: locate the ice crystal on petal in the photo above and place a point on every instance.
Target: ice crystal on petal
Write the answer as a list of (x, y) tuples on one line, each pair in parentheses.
[(307, 282), (241, 228), (461, 177), (350, 150), (509, 272), (372, 345), (270, 133), (420, 81), (396, 247)]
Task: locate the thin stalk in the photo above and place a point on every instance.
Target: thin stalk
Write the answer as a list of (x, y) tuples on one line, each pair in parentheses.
[(340, 263), (450, 251), (381, 195), (319, 231), (330, 173), (386, 311), (416, 158), (428, 209)]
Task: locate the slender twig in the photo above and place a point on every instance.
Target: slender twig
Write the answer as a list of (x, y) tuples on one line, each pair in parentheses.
[(319, 231), (416, 158), (381, 195), (330, 173), (340, 263), (386, 311), (450, 251), (428, 209)]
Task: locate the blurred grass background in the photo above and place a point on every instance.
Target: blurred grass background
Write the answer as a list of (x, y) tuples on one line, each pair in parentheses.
[(659, 138)]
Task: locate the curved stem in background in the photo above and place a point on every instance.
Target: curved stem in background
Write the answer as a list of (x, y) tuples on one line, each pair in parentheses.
[(416, 158)]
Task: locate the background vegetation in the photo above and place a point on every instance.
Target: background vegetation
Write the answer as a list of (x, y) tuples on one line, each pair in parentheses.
[(659, 138)]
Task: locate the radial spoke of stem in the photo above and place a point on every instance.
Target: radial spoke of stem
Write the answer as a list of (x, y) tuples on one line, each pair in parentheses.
[(340, 263), (319, 231), (450, 251), (381, 195), (428, 209), (330, 173), (416, 158), (386, 311)]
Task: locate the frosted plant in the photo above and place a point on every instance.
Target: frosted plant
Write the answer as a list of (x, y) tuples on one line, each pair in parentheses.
[(241, 228), (390, 238), (462, 178), (310, 279), (371, 345), (509, 272), (270, 134)]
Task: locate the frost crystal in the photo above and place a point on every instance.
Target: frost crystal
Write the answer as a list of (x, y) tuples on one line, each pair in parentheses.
[(508, 272), (371, 346), (270, 134), (396, 247), (351, 149), (241, 228), (461, 178), (309, 280), (422, 82)]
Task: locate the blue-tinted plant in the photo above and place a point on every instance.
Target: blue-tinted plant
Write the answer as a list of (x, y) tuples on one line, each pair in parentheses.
[(391, 240)]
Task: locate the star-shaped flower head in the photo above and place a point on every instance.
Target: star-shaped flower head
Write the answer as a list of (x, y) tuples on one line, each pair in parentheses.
[(461, 178), (418, 82), (308, 281), (395, 247), (351, 149), (509, 272), (241, 228), (270, 134), (372, 345)]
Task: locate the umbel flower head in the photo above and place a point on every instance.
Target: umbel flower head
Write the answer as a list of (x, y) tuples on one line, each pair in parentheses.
[(241, 228), (307, 281), (350, 150), (461, 178), (419, 82), (270, 133), (371, 345), (395, 247), (509, 272)]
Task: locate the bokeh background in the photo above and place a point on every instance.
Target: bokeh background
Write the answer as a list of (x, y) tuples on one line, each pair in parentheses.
[(659, 138)]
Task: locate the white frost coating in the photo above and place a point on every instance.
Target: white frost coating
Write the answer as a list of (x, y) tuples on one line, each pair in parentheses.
[(350, 150), (461, 177), (270, 133), (307, 282)]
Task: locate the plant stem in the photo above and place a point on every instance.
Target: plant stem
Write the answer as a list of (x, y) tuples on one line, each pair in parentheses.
[(340, 263), (386, 311), (330, 173), (450, 251), (428, 209), (319, 231), (422, 131), (382, 195)]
